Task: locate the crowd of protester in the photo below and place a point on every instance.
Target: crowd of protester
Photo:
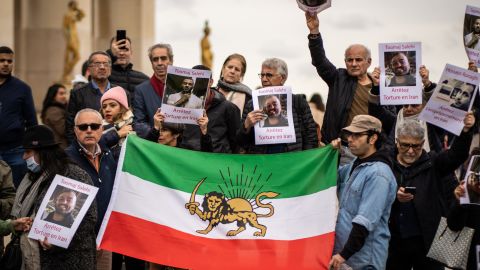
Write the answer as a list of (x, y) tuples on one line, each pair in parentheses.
[(385, 151)]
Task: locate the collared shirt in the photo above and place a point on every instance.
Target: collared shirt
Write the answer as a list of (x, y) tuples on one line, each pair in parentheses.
[(93, 158), (95, 85)]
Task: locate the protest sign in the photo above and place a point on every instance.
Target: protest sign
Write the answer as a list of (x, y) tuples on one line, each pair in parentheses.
[(62, 211), (472, 182), (471, 33), (452, 99), (185, 93), (314, 6), (400, 81), (277, 125)]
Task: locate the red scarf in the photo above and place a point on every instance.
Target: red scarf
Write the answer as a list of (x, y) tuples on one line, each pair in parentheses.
[(158, 86)]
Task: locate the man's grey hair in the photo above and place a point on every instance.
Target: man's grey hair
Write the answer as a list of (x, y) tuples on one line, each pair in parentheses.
[(368, 54), (278, 64), (89, 62), (411, 128), (88, 110), (166, 46)]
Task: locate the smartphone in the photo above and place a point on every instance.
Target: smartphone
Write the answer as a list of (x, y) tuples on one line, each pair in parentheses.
[(411, 190), (121, 34)]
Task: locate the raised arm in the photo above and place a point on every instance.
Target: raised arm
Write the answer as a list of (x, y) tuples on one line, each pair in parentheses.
[(327, 71)]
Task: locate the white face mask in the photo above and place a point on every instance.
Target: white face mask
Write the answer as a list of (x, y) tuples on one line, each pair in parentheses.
[(32, 165)]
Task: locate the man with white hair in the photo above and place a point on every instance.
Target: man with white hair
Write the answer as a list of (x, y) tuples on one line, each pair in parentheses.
[(274, 72), (98, 162), (348, 87)]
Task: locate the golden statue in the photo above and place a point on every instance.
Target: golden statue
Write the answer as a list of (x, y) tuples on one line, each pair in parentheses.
[(72, 55), (207, 55)]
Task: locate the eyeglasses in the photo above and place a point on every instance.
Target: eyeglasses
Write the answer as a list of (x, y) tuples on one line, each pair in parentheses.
[(99, 64), (267, 75), (406, 146), (346, 134), (93, 126)]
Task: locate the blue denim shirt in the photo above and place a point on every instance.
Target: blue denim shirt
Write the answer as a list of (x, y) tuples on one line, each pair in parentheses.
[(365, 197)]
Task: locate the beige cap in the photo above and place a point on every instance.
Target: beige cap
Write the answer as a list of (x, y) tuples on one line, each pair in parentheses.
[(362, 123)]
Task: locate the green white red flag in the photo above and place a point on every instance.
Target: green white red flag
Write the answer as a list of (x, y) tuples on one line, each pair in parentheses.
[(200, 210)]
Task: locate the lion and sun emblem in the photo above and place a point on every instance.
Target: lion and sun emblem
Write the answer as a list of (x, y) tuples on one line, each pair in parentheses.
[(237, 204)]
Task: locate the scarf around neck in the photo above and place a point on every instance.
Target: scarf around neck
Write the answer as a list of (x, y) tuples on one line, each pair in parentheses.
[(158, 86)]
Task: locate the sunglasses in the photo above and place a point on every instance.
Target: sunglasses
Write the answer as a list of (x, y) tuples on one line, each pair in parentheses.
[(93, 126)]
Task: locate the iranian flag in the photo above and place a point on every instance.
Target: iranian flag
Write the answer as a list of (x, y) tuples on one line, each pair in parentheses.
[(200, 210)]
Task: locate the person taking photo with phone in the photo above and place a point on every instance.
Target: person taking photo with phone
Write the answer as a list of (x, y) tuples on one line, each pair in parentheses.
[(123, 73), (419, 204)]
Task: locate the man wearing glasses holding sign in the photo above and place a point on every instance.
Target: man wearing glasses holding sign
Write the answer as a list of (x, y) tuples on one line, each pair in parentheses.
[(418, 206), (274, 72)]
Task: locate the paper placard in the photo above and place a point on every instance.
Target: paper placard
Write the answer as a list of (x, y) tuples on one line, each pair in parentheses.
[(184, 95), (277, 125), (472, 182), (400, 81), (471, 34), (62, 210), (452, 99), (314, 6)]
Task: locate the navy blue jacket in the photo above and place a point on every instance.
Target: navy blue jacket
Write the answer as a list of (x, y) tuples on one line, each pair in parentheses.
[(17, 112), (103, 179), (145, 105)]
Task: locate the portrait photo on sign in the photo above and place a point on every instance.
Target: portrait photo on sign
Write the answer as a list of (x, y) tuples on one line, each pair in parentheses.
[(63, 206), (478, 256), (274, 109), (400, 68), (472, 182), (184, 91), (471, 32), (457, 93)]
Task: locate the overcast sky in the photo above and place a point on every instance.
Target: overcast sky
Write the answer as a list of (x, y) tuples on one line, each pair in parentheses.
[(259, 29)]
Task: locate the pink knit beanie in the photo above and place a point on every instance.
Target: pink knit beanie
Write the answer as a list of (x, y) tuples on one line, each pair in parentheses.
[(116, 93)]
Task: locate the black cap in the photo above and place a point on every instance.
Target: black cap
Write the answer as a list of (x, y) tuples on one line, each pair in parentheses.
[(39, 136)]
